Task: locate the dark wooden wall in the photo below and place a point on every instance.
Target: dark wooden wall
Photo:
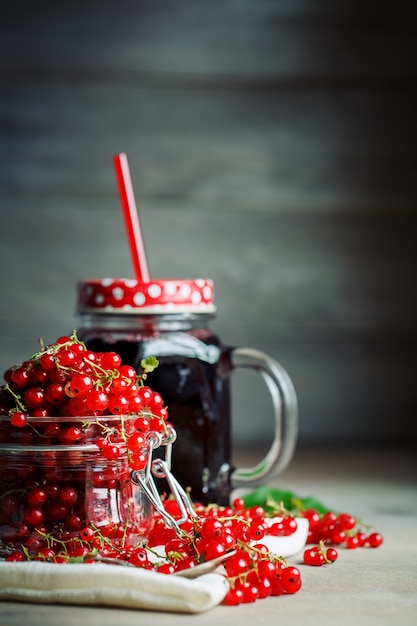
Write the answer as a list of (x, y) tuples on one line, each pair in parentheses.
[(273, 148)]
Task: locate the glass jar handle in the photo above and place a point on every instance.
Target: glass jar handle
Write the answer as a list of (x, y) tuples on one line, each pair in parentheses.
[(285, 407)]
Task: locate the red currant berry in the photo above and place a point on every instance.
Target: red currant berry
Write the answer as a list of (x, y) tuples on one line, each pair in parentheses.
[(15, 555), (256, 512), (352, 542), (374, 540), (165, 568), (138, 460), (110, 360), (45, 554), (264, 587), (20, 377), (68, 496), (67, 357), (34, 397), (78, 406), (19, 419), (39, 376), (212, 529), (47, 362), (110, 452), (256, 531), (337, 536), (157, 403), (135, 404), (136, 441), (118, 405), (139, 558), (233, 597), (214, 549), (238, 563), (329, 518), (266, 568), (238, 504), (87, 534), (331, 555), (36, 496), (97, 400), (119, 386), (80, 385), (127, 371), (70, 435), (346, 521), (63, 339), (55, 393), (291, 579), (41, 412), (73, 522), (314, 556), (33, 516)]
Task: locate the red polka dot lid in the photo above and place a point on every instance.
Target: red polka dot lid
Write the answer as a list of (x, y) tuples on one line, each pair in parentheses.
[(129, 296)]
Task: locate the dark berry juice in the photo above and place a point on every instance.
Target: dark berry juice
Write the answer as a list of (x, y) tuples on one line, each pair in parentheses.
[(193, 379)]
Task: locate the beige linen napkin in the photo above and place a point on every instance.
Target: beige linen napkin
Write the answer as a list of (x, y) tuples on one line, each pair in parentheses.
[(111, 585)]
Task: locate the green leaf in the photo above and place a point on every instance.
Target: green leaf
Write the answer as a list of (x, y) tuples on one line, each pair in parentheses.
[(270, 497), (149, 364)]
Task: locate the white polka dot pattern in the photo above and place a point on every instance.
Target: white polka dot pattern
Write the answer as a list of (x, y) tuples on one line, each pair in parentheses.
[(128, 296)]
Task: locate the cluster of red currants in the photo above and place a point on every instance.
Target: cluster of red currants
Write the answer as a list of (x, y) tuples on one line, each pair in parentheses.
[(67, 379), (252, 571), (341, 529)]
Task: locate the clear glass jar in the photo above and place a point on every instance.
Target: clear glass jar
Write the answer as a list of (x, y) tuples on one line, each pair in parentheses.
[(58, 492)]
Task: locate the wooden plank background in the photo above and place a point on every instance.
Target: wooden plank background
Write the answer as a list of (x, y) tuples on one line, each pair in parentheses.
[(273, 149)]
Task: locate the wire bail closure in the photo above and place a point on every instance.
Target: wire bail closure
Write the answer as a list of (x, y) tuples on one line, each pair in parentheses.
[(161, 468)]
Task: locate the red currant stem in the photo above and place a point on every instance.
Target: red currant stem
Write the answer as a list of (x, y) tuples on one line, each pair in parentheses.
[(53, 349), (126, 525), (271, 555), (11, 491), (51, 540), (323, 550), (155, 553), (174, 557), (26, 553), (107, 375), (239, 577), (276, 508), (20, 406), (106, 430), (36, 431), (103, 539)]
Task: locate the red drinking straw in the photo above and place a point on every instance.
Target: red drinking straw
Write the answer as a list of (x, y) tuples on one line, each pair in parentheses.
[(131, 216)]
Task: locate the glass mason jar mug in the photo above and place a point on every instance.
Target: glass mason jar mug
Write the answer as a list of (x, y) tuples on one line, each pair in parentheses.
[(169, 319)]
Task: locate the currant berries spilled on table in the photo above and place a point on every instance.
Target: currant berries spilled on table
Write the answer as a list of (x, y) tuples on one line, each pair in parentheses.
[(252, 571), (319, 555), (341, 529)]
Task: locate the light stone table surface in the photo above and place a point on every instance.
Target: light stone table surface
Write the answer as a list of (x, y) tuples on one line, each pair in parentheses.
[(365, 586)]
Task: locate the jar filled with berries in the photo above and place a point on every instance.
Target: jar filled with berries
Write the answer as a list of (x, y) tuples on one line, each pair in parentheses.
[(74, 425)]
